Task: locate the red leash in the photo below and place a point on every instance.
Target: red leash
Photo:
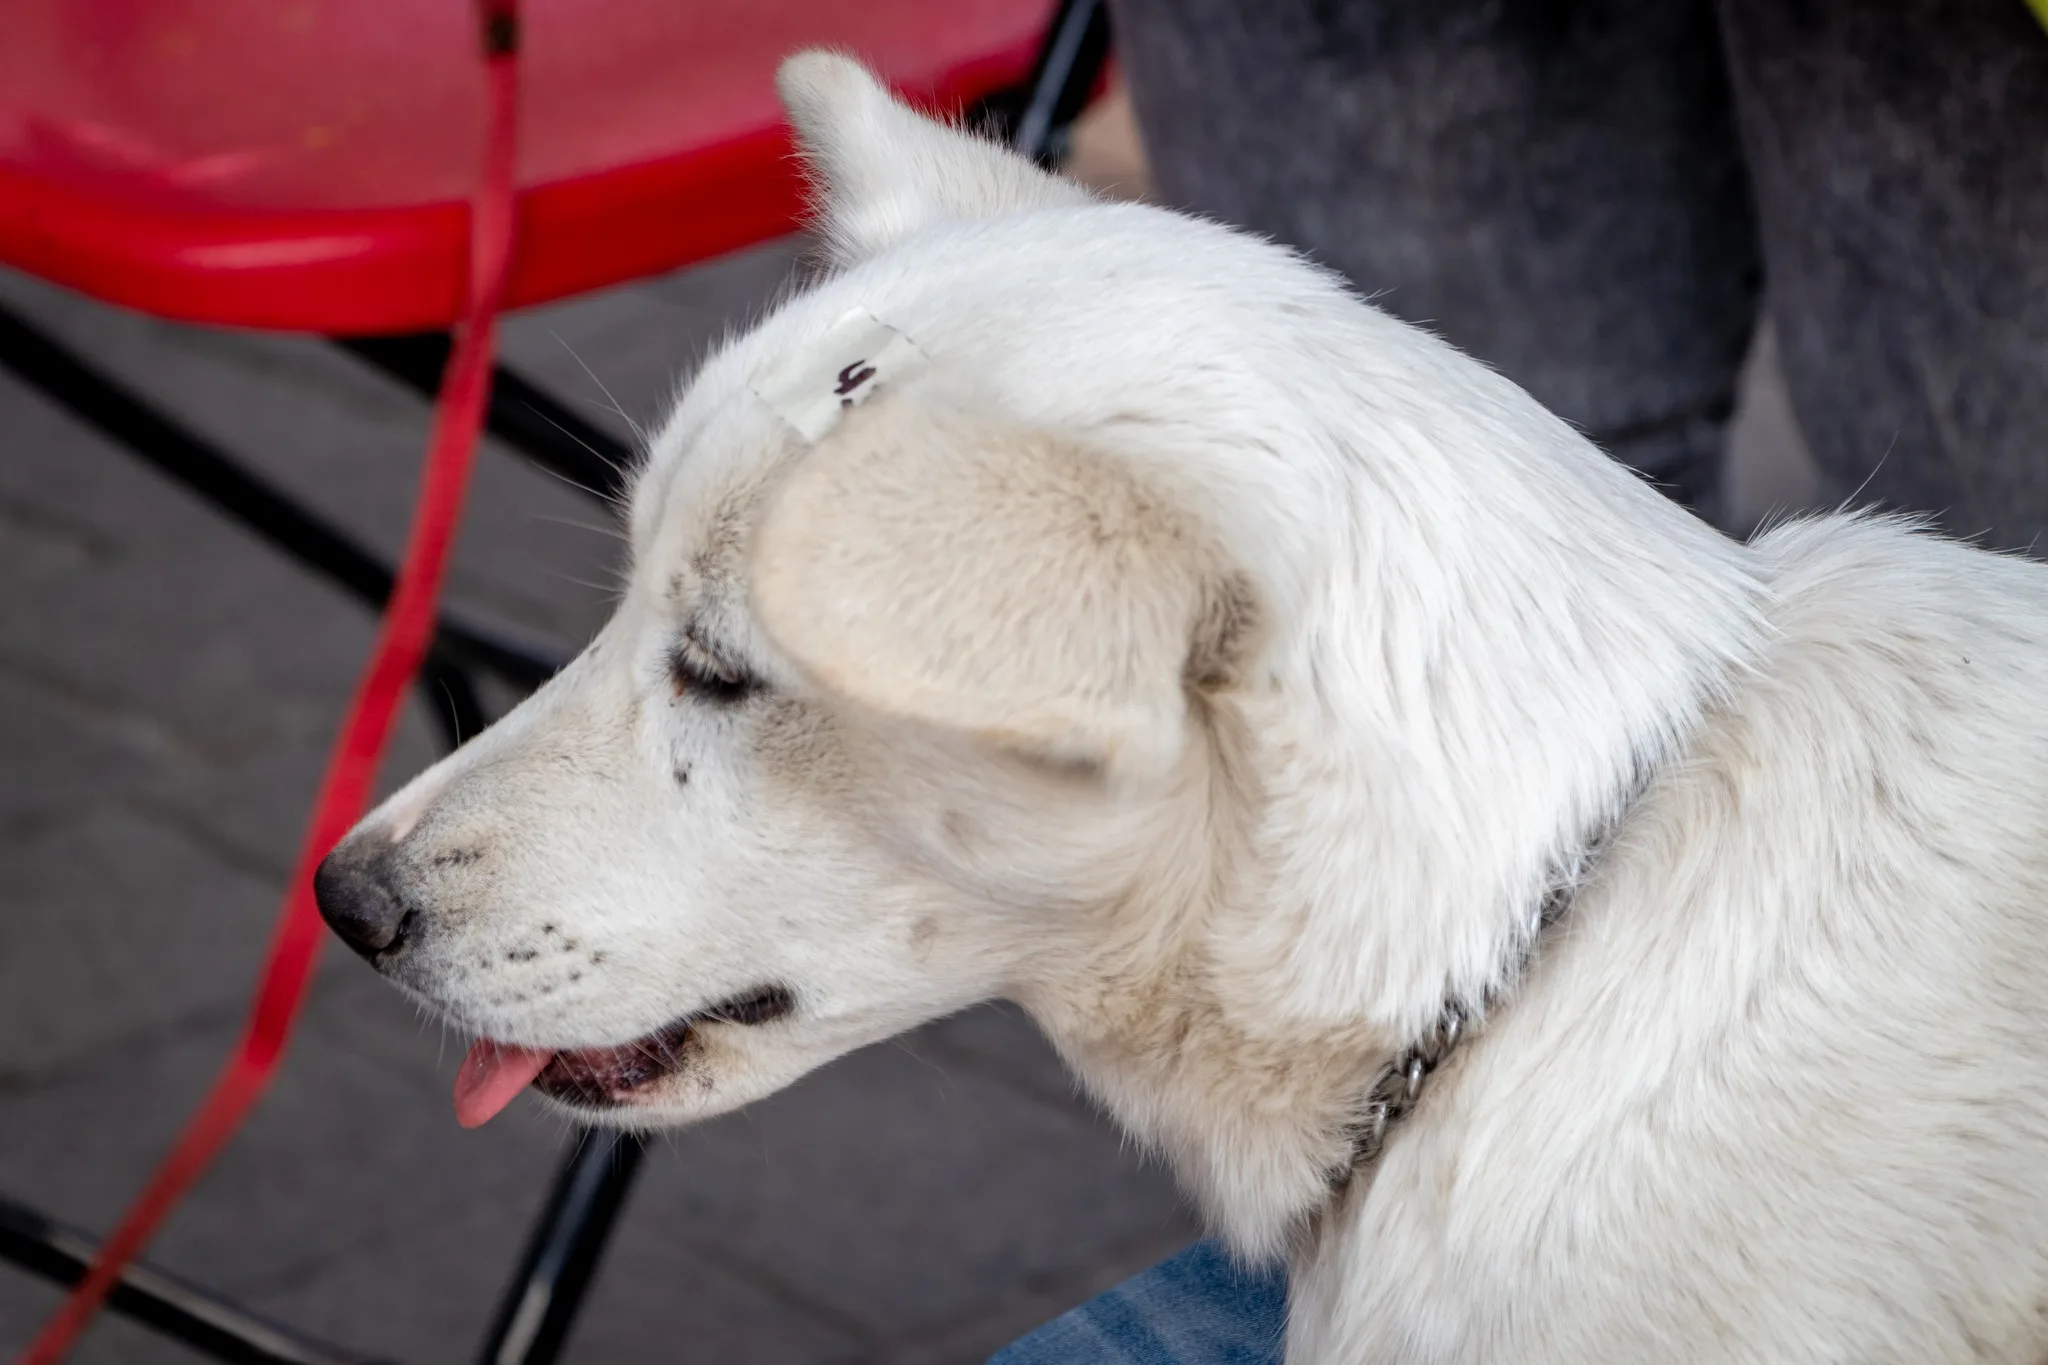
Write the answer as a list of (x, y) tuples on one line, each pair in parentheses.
[(402, 642)]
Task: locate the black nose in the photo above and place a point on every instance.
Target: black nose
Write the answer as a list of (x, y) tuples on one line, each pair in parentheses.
[(353, 886)]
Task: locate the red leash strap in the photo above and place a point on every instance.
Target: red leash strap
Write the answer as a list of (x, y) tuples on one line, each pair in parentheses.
[(402, 642)]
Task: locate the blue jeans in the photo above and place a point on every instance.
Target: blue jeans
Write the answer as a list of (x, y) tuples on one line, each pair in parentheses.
[(1196, 1308)]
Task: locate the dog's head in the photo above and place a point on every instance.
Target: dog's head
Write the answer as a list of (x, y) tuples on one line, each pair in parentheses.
[(1068, 601), (904, 684)]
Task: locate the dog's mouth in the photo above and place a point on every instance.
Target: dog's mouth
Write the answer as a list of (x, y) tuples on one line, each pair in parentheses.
[(494, 1073)]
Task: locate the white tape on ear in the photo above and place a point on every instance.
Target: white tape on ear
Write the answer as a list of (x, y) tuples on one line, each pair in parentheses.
[(844, 368)]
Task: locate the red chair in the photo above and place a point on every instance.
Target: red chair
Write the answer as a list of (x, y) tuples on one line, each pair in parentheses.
[(295, 166)]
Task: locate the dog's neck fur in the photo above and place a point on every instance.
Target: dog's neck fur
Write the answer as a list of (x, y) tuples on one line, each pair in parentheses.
[(1343, 948)]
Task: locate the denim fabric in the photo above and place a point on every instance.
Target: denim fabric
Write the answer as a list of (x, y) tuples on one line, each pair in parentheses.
[(1196, 1308)]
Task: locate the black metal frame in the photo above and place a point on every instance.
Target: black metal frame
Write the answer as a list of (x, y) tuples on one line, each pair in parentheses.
[(1070, 59), (562, 1253), (202, 1320)]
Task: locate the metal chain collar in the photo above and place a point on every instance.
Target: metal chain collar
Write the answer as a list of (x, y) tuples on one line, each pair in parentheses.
[(1397, 1087)]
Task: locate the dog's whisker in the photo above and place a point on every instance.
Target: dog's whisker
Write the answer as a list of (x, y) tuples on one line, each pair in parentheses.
[(638, 433), (617, 467), (613, 532), (610, 590), (616, 502)]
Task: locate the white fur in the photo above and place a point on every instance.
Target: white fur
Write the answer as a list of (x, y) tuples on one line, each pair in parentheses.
[(1223, 669)]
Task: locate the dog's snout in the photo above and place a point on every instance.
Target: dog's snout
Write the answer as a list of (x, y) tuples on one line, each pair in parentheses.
[(353, 888)]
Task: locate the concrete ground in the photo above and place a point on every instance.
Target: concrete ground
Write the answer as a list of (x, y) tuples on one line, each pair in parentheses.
[(168, 688)]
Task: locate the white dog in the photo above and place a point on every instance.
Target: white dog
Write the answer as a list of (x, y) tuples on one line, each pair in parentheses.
[(1098, 608)]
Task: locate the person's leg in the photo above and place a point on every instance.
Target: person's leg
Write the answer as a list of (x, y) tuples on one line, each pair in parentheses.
[(1900, 153), (1553, 185), (1196, 1308)]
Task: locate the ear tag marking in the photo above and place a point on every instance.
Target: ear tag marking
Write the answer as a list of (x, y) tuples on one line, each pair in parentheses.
[(811, 388)]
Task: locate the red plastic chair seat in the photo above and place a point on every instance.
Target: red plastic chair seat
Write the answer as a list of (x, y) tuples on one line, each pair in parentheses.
[(303, 164)]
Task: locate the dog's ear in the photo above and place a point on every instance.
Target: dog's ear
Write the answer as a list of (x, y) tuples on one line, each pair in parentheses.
[(993, 582), (884, 171)]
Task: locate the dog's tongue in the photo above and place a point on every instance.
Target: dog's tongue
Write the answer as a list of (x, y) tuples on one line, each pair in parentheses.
[(491, 1075)]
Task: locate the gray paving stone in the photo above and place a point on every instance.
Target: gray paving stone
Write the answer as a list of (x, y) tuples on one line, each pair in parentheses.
[(1000, 1043), (877, 1205), (654, 1301), (904, 1197), (25, 1302), (117, 930), (419, 1294), (323, 427), (894, 1201), (659, 1301), (66, 744), (336, 1154)]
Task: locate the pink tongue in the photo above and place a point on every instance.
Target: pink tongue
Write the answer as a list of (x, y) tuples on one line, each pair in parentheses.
[(491, 1075)]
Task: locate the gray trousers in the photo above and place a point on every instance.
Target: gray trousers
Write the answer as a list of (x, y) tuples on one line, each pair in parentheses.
[(1591, 195)]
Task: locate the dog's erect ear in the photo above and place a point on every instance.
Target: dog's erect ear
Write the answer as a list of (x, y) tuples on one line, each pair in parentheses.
[(997, 583), (886, 171)]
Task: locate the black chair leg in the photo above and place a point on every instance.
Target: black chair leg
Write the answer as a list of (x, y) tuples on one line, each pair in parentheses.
[(1036, 117), (541, 1303), (181, 1311)]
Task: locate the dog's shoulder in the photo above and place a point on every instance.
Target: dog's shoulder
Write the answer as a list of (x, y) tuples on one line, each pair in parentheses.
[(1790, 1044), (1919, 642)]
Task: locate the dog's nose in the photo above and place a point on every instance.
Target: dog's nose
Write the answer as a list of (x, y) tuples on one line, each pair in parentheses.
[(353, 888)]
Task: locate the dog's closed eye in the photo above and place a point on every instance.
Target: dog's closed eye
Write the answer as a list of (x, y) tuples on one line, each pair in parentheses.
[(698, 672)]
